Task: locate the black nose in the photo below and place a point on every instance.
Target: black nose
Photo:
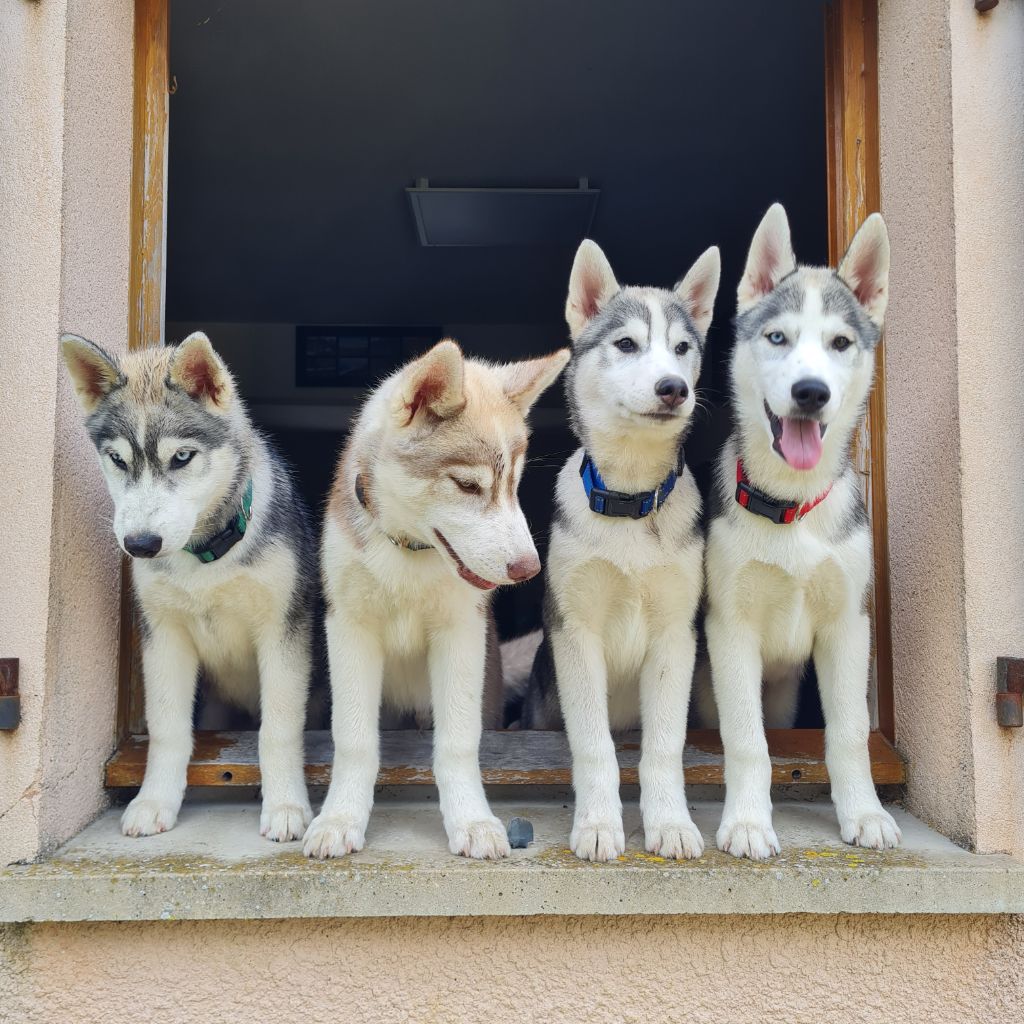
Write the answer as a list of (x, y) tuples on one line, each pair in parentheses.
[(143, 545), (811, 394), (672, 391)]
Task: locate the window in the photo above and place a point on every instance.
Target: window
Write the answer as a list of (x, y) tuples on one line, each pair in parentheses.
[(287, 232)]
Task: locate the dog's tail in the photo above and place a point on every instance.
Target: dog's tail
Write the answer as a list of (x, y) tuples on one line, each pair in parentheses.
[(517, 657)]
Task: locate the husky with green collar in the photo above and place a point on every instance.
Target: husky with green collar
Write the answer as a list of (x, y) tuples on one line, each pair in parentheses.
[(223, 564), (624, 572), (789, 545)]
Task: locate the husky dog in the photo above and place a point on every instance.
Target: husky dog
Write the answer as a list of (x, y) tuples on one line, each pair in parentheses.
[(625, 573), (789, 548), (223, 564), (422, 524)]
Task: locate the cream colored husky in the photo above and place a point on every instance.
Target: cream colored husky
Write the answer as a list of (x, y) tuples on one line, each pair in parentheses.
[(423, 523)]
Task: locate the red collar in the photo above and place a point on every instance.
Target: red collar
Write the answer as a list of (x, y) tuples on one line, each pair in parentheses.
[(761, 504)]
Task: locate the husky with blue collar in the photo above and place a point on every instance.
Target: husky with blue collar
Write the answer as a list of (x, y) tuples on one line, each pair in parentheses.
[(624, 573), (223, 564), (789, 545)]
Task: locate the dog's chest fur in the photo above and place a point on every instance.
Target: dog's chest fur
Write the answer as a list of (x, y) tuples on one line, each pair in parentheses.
[(619, 580), (402, 597), (223, 607), (787, 582)]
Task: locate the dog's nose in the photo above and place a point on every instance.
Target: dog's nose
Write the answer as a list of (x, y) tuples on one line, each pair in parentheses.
[(672, 391), (143, 545), (811, 394), (523, 568)]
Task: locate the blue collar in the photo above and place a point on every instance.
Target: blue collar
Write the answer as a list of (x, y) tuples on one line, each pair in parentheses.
[(618, 505)]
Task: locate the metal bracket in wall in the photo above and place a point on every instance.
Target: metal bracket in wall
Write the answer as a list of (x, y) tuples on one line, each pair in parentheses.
[(1010, 692), (983, 6), (10, 700)]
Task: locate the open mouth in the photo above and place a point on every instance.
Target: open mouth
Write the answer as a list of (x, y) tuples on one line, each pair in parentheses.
[(798, 441), (460, 567)]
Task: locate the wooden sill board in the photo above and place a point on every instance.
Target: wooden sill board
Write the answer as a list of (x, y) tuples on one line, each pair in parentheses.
[(506, 758)]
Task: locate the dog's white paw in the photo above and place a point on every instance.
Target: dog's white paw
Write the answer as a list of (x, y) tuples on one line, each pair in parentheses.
[(874, 829), (482, 840), (333, 835), (756, 840), (284, 822), (594, 840), (144, 817), (680, 841)]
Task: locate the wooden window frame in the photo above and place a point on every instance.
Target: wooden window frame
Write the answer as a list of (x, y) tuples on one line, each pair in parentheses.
[(851, 115)]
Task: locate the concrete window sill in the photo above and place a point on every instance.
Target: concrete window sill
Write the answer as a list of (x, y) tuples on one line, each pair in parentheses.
[(215, 865)]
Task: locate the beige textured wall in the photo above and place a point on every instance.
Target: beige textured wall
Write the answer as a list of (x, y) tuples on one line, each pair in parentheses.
[(743, 969), (65, 146), (988, 191), (952, 109)]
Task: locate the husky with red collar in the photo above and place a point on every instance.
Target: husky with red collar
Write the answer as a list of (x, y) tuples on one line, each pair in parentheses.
[(625, 573), (789, 546)]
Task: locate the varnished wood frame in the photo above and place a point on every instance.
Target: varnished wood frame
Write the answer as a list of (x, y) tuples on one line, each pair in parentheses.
[(851, 96)]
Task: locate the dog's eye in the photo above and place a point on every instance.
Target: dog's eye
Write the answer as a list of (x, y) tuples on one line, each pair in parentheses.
[(776, 337), (682, 348), (182, 457), (117, 460), (467, 486), (626, 345), (842, 343)]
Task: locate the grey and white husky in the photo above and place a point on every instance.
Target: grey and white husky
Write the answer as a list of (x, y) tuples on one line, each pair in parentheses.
[(789, 548), (625, 574), (422, 524), (223, 564)]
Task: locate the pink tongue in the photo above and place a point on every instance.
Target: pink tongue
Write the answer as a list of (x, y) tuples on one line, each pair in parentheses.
[(800, 442)]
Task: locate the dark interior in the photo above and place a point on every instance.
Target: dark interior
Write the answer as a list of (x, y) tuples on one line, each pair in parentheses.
[(296, 128)]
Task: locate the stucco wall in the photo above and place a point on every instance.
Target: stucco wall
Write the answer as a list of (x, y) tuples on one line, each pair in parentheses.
[(988, 193), (65, 152), (952, 110), (793, 969)]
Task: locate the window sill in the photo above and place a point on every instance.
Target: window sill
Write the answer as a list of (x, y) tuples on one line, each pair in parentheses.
[(215, 865)]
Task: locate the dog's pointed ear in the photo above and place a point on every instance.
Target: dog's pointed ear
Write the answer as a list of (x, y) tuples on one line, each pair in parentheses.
[(524, 382), (433, 385), (93, 372), (700, 286), (198, 371), (770, 258), (865, 267), (591, 285)]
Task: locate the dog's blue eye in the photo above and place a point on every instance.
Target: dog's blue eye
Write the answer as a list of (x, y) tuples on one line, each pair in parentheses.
[(182, 457), (117, 460), (842, 343), (626, 345), (776, 337), (682, 348)]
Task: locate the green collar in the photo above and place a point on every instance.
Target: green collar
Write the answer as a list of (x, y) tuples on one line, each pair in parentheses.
[(221, 543)]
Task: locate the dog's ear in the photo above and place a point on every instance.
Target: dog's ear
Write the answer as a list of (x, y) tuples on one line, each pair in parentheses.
[(433, 385), (770, 258), (700, 286), (591, 285), (525, 381), (93, 373), (865, 267), (201, 374)]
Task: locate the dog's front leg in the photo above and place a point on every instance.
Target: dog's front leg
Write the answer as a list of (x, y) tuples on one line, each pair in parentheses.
[(170, 667), (842, 654), (582, 674), (746, 827), (456, 657), (665, 682), (356, 660), (284, 683)]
